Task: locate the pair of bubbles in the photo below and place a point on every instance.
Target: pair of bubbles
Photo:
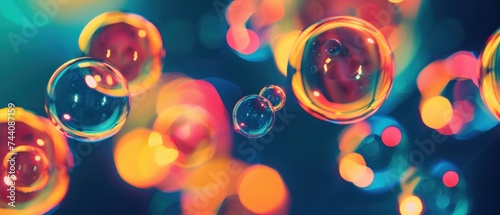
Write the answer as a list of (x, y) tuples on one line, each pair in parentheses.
[(254, 115)]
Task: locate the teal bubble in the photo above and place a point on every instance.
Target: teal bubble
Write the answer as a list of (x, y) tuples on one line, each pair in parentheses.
[(253, 116), (87, 99)]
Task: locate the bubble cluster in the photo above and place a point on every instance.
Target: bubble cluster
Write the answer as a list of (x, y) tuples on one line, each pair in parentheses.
[(253, 116), (275, 94), (129, 42), (341, 69), (489, 80), (87, 99), (35, 163)]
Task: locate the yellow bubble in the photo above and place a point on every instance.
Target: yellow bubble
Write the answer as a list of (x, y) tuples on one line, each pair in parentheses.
[(489, 77), (341, 69)]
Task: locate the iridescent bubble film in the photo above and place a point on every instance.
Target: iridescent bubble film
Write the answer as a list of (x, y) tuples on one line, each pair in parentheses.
[(87, 99), (489, 80), (129, 42), (253, 116), (275, 94), (35, 163), (341, 69)]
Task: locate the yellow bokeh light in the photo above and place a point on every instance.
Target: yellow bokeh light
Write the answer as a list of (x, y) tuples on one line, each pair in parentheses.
[(282, 46), (352, 167), (411, 205), (436, 112)]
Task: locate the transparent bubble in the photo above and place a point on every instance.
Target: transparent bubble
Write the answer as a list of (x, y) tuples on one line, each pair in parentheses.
[(253, 116), (489, 80), (333, 47), (87, 99), (31, 170), (129, 42), (347, 86), (275, 94)]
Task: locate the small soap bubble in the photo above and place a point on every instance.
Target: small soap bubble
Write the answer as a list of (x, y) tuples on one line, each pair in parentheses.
[(333, 47), (275, 94), (253, 116)]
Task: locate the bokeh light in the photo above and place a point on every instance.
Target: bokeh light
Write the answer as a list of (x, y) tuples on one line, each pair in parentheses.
[(262, 190)]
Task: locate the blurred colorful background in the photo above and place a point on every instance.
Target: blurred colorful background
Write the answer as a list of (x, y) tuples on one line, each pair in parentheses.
[(430, 149)]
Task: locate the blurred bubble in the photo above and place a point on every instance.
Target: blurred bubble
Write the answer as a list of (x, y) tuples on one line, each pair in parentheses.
[(129, 42), (253, 116), (142, 157), (42, 160), (347, 87), (87, 99), (374, 154), (489, 80), (275, 94)]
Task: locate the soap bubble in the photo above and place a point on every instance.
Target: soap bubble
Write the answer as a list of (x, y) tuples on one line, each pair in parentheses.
[(129, 42), (275, 94), (35, 163), (253, 116), (341, 70), (87, 99), (489, 80)]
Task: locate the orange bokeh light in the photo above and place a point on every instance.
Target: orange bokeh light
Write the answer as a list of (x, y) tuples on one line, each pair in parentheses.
[(436, 112), (262, 190)]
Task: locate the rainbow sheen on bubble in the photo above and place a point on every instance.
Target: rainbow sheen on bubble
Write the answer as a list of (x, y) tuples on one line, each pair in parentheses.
[(489, 76), (253, 116), (129, 42), (87, 99), (37, 164), (341, 69), (275, 94)]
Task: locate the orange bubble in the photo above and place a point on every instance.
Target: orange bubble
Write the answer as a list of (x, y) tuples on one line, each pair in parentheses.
[(261, 189)]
